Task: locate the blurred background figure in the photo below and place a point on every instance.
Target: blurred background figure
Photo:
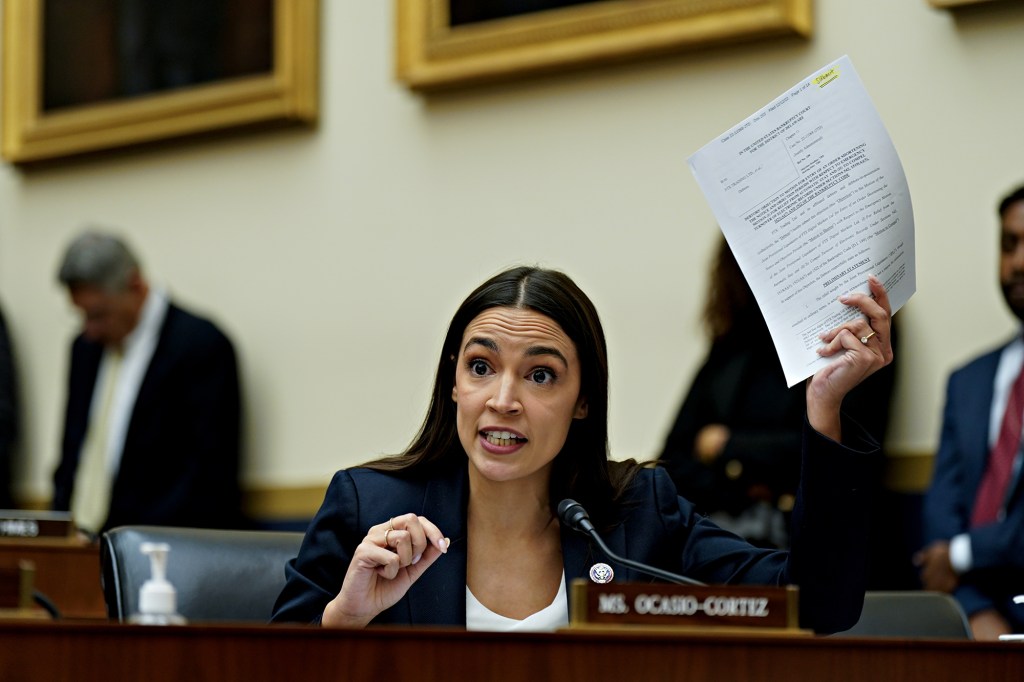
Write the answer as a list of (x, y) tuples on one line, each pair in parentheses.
[(151, 431), (8, 417), (734, 448), (974, 510)]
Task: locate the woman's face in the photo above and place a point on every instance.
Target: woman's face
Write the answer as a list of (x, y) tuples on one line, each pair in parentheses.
[(517, 389)]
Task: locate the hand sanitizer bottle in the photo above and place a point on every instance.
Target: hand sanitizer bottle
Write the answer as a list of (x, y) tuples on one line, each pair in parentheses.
[(158, 602)]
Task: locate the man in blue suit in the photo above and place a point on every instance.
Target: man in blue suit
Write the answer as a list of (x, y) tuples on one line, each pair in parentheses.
[(974, 511), (151, 431)]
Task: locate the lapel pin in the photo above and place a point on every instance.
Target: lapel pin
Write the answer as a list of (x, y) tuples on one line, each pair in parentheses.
[(601, 573)]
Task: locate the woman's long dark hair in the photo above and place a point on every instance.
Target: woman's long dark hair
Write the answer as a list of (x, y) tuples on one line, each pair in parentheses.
[(582, 469), (730, 307)]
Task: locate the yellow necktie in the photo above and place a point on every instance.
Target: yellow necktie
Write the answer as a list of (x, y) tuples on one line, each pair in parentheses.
[(90, 498)]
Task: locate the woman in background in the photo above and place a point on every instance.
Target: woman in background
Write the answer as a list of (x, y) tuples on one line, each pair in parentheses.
[(734, 449)]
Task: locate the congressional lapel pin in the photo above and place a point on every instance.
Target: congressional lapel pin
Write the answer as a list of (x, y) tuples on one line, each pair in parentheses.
[(601, 573)]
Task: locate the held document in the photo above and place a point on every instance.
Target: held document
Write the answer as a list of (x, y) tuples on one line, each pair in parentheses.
[(811, 197)]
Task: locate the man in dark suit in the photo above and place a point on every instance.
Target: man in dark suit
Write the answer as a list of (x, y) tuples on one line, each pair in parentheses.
[(8, 418), (974, 511), (151, 431)]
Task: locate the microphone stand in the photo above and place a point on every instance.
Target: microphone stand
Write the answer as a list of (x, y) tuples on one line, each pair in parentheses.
[(572, 514), (643, 568)]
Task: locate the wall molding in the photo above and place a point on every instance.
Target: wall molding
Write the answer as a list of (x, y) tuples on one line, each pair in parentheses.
[(905, 472)]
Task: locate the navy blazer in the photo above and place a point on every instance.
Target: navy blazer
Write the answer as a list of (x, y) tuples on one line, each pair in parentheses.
[(180, 462), (655, 526), (998, 548)]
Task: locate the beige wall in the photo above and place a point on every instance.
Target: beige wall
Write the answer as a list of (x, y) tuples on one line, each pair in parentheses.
[(335, 257)]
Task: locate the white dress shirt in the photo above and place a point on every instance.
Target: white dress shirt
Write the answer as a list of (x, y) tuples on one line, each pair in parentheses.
[(138, 350)]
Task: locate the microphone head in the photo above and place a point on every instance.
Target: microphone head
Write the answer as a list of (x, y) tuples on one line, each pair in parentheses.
[(572, 514)]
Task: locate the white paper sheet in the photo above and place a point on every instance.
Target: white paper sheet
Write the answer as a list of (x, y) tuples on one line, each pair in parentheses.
[(811, 196)]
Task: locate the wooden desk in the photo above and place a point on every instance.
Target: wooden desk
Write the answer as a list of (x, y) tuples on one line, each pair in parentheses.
[(111, 652), (66, 570)]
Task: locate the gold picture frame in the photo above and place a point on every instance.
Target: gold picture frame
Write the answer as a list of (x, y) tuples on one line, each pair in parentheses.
[(432, 54), (286, 93)]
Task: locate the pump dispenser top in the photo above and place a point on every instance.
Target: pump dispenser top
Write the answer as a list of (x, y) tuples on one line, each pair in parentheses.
[(158, 602)]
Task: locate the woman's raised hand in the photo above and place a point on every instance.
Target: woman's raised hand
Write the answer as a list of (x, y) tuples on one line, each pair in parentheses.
[(391, 557), (867, 343)]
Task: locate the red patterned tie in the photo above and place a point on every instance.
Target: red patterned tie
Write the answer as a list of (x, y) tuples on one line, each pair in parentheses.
[(992, 490)]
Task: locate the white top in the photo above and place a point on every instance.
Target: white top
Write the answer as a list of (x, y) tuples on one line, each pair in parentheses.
[(550, 618)]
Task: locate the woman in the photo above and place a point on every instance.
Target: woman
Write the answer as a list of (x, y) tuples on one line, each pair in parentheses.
[(462, 529), (734, 448)]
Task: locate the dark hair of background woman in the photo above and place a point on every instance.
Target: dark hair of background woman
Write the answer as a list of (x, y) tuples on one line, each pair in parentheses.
[(730, 303)]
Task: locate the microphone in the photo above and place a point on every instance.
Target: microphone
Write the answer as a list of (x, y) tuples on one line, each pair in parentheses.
[(572, 514)]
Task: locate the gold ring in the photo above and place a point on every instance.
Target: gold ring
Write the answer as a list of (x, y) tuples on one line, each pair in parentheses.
[(864, 339), (386, 533), (391, 523)]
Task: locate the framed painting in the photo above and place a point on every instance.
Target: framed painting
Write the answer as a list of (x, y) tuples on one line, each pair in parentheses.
[(450, 43), (85, 75)]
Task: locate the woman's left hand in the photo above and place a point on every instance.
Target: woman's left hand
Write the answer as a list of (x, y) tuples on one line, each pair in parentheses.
[(866, 346)]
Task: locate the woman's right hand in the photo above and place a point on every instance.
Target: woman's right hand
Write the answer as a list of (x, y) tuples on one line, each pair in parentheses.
[(391, 557), (862, 346)]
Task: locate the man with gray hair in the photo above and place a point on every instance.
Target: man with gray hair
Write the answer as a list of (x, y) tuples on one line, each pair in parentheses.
[(151, 429)]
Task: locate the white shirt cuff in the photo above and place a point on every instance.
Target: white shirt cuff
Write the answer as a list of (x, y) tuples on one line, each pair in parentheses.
[(960, 556)]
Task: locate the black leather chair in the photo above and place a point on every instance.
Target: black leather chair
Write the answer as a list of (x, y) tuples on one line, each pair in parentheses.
[(219, 575), (910, 614)]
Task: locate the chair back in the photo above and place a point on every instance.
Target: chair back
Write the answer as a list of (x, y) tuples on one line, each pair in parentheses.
[(910, 614), (219, 575)]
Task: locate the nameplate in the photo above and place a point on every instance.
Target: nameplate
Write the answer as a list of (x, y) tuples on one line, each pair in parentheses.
[(684, 606), (17, 523)]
